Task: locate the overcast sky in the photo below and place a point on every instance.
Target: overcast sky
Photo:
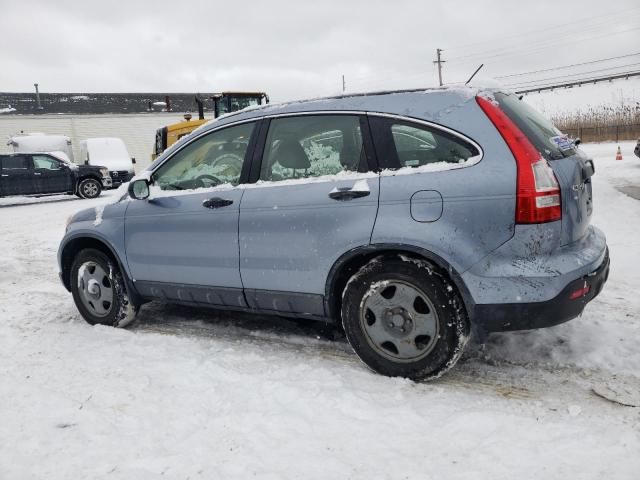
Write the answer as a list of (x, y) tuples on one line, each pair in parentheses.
[(296, 49)]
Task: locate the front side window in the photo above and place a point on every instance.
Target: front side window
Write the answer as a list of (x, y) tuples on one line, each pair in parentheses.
[(211, 160), (312, 146), (45, 162), (15, 162)]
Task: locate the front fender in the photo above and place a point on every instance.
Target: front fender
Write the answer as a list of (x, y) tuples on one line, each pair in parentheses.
[(102, 226)]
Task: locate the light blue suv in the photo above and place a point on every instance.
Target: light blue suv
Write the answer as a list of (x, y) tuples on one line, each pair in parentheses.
[(410, 217)]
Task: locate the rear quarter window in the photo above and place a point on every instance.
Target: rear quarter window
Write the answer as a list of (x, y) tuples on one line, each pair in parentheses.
[(401, 144)]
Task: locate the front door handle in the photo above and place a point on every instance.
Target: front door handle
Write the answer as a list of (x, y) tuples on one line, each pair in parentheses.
[(216, 202), (347, 193)]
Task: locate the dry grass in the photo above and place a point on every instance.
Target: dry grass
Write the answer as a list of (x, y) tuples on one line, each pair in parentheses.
[(602, 123)]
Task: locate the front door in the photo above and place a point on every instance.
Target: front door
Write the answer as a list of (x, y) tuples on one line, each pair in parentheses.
[(316, 199), (17, 175), (182, 242), (52, 175)]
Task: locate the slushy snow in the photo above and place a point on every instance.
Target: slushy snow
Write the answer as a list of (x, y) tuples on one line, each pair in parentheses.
[(189, 393)]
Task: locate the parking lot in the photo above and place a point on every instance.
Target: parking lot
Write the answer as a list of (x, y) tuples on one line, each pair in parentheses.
[(192, 393)]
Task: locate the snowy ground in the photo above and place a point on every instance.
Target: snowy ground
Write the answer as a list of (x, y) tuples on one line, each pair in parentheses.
[(187, 394)]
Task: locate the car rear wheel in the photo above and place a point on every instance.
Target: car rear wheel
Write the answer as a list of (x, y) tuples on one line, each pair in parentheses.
[(99, 290), (403, 318), (89, 188)]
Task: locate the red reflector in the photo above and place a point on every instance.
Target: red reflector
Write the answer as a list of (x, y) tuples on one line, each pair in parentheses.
[(581, 292), (537, 192)]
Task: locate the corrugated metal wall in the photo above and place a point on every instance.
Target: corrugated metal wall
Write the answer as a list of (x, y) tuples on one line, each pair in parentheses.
[(137, 131)]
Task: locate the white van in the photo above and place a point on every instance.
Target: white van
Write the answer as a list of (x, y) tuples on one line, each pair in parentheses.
[(41, 142), (108, 152)]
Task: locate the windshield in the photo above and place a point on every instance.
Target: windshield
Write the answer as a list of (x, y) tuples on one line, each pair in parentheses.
[(233, 103), (547, 139)]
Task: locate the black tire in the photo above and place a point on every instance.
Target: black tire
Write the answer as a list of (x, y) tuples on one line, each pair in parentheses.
[(120, 312), (438, 301), (89, 188)]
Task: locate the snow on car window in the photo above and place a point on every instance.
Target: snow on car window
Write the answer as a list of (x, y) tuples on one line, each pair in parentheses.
[(311, 146), (211, 160)]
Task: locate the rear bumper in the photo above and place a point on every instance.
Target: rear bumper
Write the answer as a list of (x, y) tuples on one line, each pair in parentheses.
[(524, 316)]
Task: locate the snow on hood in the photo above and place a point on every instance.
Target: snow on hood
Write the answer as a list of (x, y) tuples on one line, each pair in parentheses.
[(108, 152)]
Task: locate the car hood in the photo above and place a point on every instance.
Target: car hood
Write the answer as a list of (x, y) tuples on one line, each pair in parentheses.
[(90, 168), (117, 164)]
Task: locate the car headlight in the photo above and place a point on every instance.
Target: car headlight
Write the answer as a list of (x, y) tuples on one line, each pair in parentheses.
[(104, 172)]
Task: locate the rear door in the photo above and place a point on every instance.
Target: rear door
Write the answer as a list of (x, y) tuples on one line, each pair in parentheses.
[(572, 167), (17, 175), (317, 198), (52, 175)]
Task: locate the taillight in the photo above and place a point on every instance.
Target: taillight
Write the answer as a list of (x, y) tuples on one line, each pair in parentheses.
[(537, 193)]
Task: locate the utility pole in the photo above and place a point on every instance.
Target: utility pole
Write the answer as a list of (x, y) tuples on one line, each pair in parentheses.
[(439, 61), (38, 104), (343, 84)]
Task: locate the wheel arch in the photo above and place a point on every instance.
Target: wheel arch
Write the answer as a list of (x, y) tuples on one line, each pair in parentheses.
[(90, 176), (87, 177), (81, 242), (351, 261)]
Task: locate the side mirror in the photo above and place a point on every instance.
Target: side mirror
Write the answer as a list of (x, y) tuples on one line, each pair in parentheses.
[(133, 160), (139, 189)]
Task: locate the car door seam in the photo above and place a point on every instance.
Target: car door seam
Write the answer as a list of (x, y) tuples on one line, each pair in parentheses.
[(244, 293)]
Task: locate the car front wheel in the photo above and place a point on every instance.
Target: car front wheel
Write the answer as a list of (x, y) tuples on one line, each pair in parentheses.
[(89, 188), (404, 318), (99, 290)]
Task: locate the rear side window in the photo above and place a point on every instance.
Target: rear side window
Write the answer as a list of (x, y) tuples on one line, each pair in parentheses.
[(402, 144), (16, 162), (547, 139), (312, 146)]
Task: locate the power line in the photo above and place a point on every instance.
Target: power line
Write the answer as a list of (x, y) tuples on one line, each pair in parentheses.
[(566, 76), (540, 46), (582, 81), (582, 23), (563, 32), (568, 66)]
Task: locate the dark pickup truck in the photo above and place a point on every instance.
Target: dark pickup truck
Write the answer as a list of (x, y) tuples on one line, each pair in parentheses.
[(46, 174)]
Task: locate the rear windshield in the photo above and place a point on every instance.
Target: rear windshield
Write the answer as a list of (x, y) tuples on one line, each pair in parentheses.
[(547, 139)]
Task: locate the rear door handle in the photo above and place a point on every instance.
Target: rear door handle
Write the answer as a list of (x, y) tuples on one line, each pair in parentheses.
[(347, 193), (216, 202)]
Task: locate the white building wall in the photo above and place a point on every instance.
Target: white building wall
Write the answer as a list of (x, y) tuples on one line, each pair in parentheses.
[(136, 130)]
